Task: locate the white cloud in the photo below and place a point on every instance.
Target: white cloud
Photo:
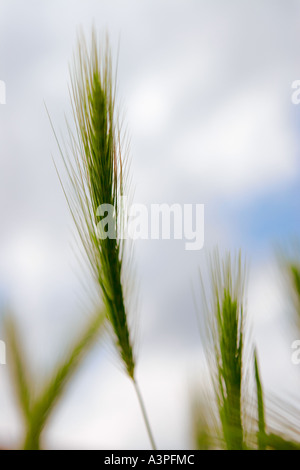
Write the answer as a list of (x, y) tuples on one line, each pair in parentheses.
[(244, 148)]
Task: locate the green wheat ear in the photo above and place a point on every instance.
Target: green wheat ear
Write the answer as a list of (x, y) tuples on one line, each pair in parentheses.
[(225, 331), (96, 173)]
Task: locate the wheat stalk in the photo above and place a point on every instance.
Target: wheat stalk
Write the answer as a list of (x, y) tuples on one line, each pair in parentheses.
[(261, 435), (96, 171)]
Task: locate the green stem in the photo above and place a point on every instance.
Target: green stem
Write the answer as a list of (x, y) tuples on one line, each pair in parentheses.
[(144, 413)]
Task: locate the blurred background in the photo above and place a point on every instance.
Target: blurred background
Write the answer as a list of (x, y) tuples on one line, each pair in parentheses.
[(205, 89)]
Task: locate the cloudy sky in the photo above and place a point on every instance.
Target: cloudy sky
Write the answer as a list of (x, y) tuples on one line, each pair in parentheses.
[(205, 88)]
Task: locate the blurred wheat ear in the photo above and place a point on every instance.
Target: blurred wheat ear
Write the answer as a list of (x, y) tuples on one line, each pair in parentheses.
[(44, 404), (96, 172), (38, 407), (19, 370), (225, 332), (231, 366)]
